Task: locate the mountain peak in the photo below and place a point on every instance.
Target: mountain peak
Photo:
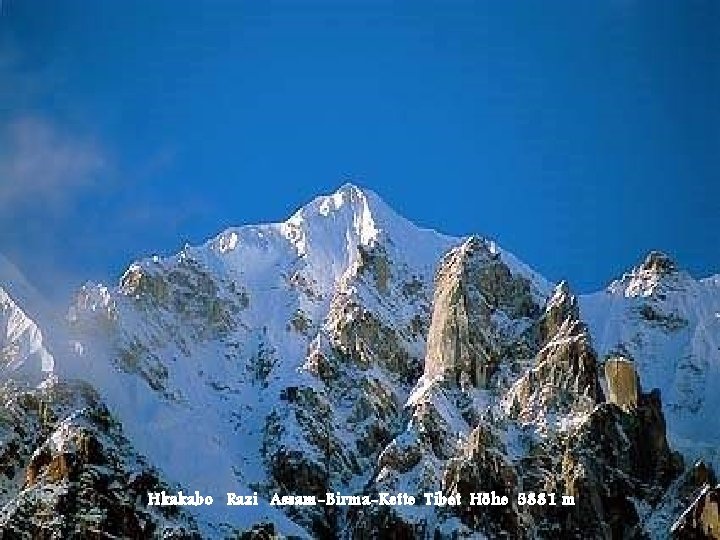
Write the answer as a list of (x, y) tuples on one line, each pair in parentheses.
[(658, 263), (22, 348), (563, 301), (480, 246), (561, 290), (561, 308), (348, 199), (350, 189), (354, 216), (656, 270)]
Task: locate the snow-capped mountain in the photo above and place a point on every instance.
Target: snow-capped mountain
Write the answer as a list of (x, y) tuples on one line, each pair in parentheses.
[(347, 350), (669, 323), (23, 355)]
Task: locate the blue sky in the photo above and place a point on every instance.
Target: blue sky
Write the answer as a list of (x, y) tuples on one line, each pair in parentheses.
[(580, 135)]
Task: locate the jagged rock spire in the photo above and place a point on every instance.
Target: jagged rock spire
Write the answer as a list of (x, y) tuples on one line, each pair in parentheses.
[(650, 277), (471, 283), (561, 307), (565, 374)]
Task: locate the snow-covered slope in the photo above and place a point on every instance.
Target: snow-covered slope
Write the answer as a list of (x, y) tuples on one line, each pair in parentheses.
[(669, 323), (23, 354)]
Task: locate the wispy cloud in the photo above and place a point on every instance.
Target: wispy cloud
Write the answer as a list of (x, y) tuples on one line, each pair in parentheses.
[(40, 162)]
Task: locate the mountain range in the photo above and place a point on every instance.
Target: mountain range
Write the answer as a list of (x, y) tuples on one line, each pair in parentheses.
[(346, 350)]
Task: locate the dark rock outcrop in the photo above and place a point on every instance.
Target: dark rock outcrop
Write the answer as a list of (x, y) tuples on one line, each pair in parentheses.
[(701, 520), (658, 263), (80, 477), (564, 377), (615, 458), (483, 467)]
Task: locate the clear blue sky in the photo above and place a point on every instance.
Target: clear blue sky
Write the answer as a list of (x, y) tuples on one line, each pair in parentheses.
[(578, 134)]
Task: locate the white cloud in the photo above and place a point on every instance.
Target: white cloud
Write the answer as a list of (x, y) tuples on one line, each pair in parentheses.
[(39, 162)]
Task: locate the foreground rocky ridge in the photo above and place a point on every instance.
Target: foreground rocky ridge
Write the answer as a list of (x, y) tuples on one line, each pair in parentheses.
[(347, 350), (68, 472)]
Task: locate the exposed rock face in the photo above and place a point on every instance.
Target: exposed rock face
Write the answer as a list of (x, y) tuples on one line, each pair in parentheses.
[(189, 291), (483, 466), (359, 369), (653, 279), (615, 458), (81, 479), (359, 335), (610, 454), (666, 321), (566, 440), (659, 263), (623, 383), (482, 316), (561, 310), (564, 377), (472, 283)]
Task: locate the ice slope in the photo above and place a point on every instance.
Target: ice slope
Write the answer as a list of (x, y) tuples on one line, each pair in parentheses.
[(669, 323), (23, 354)]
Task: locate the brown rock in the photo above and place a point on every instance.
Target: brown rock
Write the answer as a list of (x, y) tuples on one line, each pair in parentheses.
[(702, 518), (622, 381), (471, 283)]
